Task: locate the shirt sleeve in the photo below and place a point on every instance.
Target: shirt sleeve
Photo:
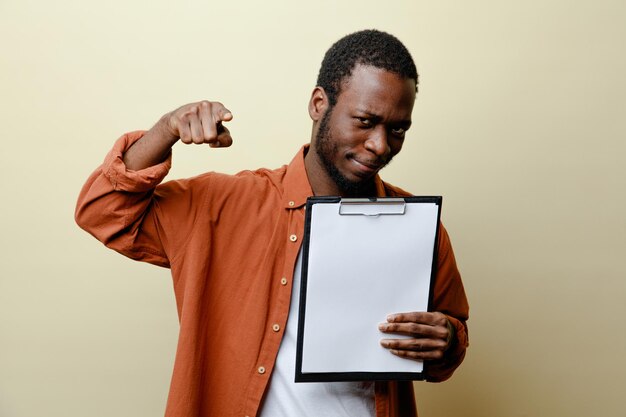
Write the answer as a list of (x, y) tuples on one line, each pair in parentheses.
[(118, 206), (449, 298)]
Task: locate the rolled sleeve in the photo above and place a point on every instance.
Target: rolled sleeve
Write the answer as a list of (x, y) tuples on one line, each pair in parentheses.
[(124, 179)]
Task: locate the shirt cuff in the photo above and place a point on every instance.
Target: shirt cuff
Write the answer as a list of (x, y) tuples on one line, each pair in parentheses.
[(124, 179)]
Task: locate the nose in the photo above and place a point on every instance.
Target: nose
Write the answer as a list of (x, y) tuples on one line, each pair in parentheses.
[(378, 144)]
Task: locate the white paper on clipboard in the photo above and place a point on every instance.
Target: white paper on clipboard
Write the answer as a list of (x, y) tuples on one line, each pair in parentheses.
[(364, 261)]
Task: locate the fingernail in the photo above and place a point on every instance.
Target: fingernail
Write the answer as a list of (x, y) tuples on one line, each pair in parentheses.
[(391, 317), (382, 326)]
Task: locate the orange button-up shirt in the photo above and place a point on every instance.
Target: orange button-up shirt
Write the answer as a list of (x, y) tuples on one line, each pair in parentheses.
[(231, 242)]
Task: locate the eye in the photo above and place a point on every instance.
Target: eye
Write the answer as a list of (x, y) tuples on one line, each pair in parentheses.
[(365, 122), (398, 132)]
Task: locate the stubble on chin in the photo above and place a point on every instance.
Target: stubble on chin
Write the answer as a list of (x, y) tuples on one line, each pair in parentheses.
[(327, 150)]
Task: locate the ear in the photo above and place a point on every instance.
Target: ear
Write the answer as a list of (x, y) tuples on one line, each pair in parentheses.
[(318, 104)]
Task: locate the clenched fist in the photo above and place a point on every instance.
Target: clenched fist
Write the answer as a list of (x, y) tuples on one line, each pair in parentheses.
[(200, 123)]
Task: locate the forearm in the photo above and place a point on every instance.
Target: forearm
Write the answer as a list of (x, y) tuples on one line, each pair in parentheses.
[(153, 148)]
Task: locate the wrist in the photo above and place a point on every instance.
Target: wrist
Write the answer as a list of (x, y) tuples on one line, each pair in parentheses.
[(164, 130)]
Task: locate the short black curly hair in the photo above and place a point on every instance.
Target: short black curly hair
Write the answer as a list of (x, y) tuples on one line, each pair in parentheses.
[(366, 47)]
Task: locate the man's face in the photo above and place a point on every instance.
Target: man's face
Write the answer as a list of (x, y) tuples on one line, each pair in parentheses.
[(365, 129)]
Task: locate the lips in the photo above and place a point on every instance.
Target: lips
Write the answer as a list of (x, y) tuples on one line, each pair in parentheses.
[(366, 168)]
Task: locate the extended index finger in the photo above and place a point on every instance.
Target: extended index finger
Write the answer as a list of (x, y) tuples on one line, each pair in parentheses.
[(220, 113), (212, 114)]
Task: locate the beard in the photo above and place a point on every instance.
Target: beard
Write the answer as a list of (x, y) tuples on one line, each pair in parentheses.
[(327, 150)]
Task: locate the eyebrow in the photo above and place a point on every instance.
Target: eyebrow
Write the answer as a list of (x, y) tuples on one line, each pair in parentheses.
[(404, 123), (368, 113)]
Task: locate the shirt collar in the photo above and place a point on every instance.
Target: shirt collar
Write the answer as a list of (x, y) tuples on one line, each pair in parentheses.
[(297, 185)]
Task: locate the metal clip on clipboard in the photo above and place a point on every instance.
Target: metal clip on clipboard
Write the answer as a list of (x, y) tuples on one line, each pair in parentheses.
[(373, 207)]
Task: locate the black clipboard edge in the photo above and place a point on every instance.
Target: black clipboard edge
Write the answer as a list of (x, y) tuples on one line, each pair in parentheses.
[(356, 376), (359, 376), (433, 268), (305, 267)]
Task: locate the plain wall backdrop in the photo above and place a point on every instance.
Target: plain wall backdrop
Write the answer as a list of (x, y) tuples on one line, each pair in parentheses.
[(520, 123)]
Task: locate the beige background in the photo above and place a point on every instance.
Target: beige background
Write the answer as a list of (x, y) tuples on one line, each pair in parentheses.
[(519, 124)]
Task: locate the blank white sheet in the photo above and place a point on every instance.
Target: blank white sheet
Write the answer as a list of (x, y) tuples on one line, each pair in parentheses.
[(361, 269)]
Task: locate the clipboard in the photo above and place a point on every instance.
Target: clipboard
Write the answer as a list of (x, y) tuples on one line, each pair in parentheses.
[(362, 260)]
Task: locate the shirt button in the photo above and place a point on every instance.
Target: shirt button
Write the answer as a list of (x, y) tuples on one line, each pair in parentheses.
[(283, 281), (276, 327), (292, 203), (293, 238), (261, 370)]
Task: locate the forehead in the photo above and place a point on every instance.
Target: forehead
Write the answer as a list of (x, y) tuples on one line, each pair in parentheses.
[(378, 91)]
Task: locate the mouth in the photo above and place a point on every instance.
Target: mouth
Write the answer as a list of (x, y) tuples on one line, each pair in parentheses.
[(366, 168)]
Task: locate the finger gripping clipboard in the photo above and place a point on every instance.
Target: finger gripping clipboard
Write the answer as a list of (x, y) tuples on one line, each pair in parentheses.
[(362, 260)]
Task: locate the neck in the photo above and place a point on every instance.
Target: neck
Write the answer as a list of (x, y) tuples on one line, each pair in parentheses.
[(320, 181)]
